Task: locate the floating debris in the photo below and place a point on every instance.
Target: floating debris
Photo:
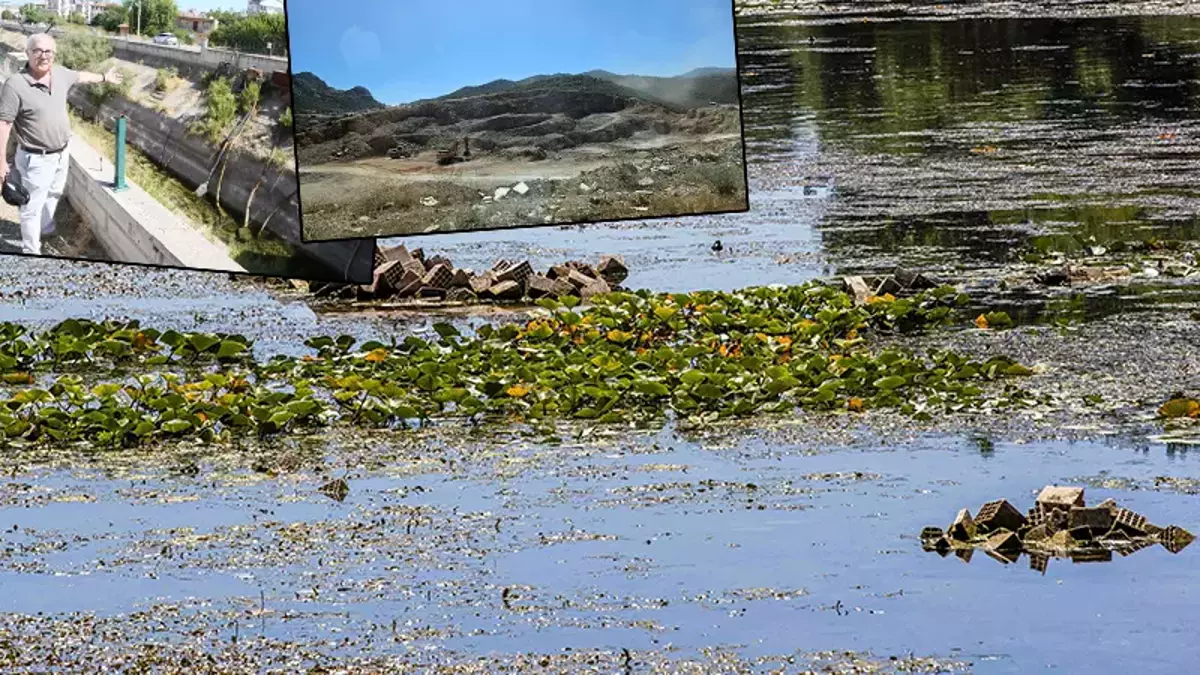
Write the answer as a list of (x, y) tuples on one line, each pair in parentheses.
[(403, 274), (1060, 525), (336, 490)]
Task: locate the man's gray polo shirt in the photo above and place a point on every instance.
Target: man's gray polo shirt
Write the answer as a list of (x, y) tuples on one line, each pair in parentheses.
[(38, 113)]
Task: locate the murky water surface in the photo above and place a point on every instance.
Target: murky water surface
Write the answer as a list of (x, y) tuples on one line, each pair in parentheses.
[(953, 140)]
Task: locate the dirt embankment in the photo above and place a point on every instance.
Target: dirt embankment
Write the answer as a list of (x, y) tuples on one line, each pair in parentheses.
[(559, 150)]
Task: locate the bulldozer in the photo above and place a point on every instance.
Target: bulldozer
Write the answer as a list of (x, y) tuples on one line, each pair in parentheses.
[(450, 155)]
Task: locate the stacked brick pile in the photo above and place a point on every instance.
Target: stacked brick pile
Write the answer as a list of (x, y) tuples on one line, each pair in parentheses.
[(400, 274)]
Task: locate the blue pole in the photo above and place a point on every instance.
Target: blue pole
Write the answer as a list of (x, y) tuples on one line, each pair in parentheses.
[(119, 158)]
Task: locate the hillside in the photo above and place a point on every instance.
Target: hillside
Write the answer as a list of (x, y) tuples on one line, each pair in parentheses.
[(314, 97), (696, 88)]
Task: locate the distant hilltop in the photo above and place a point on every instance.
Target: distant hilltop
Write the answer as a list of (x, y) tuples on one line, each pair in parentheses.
[(317, 98), (696, 88)]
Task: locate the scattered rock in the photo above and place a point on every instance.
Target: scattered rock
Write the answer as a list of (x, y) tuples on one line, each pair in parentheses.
[(520, 188), (501, 193), (429, 201)]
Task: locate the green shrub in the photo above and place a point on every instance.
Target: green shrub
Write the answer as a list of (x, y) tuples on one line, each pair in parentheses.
[(251, 94), (105, 90), (164, 79), (83, 51), (221, 109), (285, 119)]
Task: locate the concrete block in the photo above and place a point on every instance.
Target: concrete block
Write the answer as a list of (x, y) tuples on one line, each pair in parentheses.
[(482, 283), (559, 272), (593, 289), (415, 266), (459, 294), (889, 285), (506, 290), (583, 268), (963, 527), (538, 286), (438, 260), (1099, 555), (439, 276), (381, 285), (517, 272), (1055, 497), (1132, 523), (999, 514), (1175, 538), (579, 279), (1004, 541), (1096, 517), (563, 289), (410, 284), (612, 270), (1038, 562), (460, 279), (857, 287)]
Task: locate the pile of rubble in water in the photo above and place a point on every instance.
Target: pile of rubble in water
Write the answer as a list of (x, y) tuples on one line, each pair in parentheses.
[(401, 274), (899, 283), (1058, 525)]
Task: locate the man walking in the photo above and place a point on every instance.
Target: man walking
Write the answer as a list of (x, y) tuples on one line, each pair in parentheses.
[(34, 102)]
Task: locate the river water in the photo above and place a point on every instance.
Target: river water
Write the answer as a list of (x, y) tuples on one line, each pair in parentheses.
[(951, 143)]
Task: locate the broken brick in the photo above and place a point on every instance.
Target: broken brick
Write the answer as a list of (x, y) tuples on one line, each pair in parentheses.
[(1131, 522), (1038, 562), (1097, 517), (889, 285), (538, 286), (563, 289), (482, 283), (963, 527), (1054, 497), (1097, 555), (1175, 539), (460, 279), (438, 260), (432, 292), (506, 290), (999, 514), (593, 289), (518, 272), (409, 285), (439, 276), (579, 279), (460, 295), (559, 272), (1004, 541), (857, 287), (612, 270)]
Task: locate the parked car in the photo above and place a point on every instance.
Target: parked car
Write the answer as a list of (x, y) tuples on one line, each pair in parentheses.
[(166, 39)]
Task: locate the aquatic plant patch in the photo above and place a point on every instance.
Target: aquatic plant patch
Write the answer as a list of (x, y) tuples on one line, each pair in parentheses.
[(630, 357)]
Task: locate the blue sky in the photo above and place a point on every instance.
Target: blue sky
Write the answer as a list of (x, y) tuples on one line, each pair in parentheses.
[(403, 50)]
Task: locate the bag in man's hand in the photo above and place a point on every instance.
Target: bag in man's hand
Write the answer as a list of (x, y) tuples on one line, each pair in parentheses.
[(13, 192)]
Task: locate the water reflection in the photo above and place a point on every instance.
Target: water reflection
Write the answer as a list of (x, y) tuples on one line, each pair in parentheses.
[(961, 144)]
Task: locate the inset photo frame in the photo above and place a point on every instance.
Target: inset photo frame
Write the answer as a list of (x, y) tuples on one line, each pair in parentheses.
[(438, 117)]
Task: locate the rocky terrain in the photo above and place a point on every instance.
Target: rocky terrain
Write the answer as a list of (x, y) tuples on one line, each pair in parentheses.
[(547, 149), (321, 99)]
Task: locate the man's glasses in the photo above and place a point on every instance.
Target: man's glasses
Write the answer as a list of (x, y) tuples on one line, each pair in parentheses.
[(42, 52)]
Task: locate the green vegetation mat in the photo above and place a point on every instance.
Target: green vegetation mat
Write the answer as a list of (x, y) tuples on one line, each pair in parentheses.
[(629, 358)]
